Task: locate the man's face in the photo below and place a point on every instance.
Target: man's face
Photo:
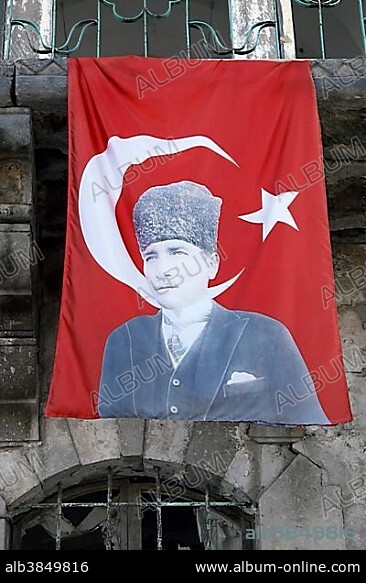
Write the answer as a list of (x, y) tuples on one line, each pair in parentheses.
[(178, 273)]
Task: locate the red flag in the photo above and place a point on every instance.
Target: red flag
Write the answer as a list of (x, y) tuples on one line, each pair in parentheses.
[(198, 279)]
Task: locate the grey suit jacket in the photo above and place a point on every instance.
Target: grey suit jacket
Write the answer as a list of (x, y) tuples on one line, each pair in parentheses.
[(139, 380)]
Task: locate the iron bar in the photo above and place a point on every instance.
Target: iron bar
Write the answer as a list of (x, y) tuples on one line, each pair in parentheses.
[(231, 31), (159, 524), (145, 24), (9, 21), (188, 36), (142, 504), (363, 23), (321, 29), (208, 518), (278, 28), (108, 534), (99, 27), (53, 27), (58, 518)]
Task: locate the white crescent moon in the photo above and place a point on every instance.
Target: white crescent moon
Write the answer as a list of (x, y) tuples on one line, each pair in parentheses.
[(100, 190)]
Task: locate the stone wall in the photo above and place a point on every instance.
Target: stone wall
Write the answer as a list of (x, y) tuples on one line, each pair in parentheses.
[(288, 477), (18, 282)]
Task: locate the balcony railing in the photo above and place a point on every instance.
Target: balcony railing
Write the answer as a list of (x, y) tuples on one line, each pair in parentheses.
[(335, 20), (197, 37)]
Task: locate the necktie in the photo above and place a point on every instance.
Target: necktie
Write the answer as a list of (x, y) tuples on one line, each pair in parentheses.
[(176, 347)]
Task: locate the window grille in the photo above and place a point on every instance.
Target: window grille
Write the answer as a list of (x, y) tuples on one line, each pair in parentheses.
[(147, 505)]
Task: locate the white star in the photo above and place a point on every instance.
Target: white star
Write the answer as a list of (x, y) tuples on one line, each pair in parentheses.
[(274, 210)]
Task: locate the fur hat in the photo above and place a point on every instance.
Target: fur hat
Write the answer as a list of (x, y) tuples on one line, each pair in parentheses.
[(182, 210)]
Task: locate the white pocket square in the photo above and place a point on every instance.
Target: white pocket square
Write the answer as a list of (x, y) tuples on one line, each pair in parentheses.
[(241, 377)]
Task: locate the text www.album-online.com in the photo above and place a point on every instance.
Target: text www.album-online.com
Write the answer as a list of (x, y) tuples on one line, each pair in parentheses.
[(301, 567)]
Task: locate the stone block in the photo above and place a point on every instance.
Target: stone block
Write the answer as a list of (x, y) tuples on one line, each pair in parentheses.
[(348, 68), (350, 273), (357, 388), (18, 379), (270, 434), (345, 181), (17, 255), (16, 132), (95, 440), (340, 97), (6, 82), (331, 452), (16, 315), (18, 479), (242, 478), (15, 213), (355, 526), (19, 422), (106, 443), (4, 526), (132, 435), (254, 468), (211, 450), (16, 184), (42, 84), (273, 460), (331, 90), (16, 165), (352, 322), (290, 512), (57, 456), (341, 90), (166, 441), (223, 438)]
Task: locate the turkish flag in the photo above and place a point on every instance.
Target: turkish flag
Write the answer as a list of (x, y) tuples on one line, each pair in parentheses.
[(242, 138)]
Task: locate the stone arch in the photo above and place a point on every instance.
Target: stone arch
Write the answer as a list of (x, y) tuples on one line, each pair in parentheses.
[(188, 456), (74, 451)]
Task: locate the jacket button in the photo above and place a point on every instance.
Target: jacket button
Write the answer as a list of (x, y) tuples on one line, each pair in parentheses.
[(173, 409), (176, 382)]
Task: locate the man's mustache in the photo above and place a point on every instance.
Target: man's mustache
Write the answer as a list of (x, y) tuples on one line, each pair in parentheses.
[(164, 287)]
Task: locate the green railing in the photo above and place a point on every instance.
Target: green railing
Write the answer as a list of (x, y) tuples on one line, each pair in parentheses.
[(72, 44), (321, 6), (211, 38)]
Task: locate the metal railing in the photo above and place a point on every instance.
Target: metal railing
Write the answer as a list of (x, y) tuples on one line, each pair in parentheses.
[(321, 6), (140, 503), (211, 37)]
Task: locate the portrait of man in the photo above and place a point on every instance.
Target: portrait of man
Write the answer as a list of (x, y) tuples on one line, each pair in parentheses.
[(195, 359)]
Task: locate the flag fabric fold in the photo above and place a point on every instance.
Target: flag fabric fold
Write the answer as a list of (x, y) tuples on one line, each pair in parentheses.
[(198, 280)]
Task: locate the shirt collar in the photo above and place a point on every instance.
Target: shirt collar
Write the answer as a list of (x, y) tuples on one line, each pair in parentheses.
[(194, 314)]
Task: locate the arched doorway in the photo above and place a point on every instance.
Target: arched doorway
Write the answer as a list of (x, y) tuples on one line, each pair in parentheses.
[(132, 513)]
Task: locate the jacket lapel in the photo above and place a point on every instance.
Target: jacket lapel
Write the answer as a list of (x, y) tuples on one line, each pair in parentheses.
[(220, 338), (149, 353)]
